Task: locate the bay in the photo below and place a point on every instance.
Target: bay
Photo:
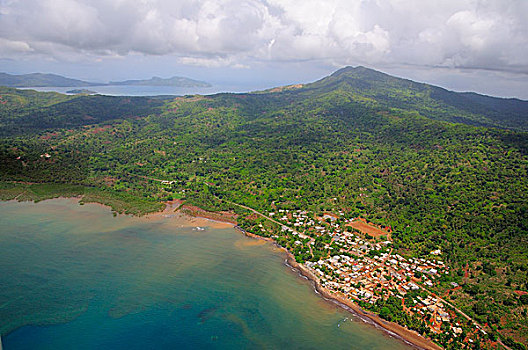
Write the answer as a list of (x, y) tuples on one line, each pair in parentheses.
[(139, 90), (74, 276)]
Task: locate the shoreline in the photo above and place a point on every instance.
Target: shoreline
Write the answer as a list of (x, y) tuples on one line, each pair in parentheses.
[(405, 335), (193, 214), (395, 330), (197, 212)]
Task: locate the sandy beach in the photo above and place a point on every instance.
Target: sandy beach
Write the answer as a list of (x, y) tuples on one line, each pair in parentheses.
[(191, 216)]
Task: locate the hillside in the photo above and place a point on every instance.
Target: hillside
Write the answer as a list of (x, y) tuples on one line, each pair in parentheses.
[(413, 157), (29, 111), (374, 88), (40, 80)]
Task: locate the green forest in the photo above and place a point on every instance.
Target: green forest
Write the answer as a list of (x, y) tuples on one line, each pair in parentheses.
[(444, 170)]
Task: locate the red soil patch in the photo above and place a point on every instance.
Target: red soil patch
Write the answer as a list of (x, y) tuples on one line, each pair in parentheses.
[(451, 290), (98, 130), (288, 87), (369, 228), (48, 136), (252, 217)]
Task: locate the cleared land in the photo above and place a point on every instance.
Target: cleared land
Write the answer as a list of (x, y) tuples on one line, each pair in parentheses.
[(368, 229)]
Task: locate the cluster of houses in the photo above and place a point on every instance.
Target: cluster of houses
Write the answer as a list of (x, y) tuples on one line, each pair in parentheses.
[(359, 269), (366, 271), (300, 218)]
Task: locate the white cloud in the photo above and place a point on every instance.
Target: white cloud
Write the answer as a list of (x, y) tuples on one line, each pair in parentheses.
[(487, 34), (13, 48)]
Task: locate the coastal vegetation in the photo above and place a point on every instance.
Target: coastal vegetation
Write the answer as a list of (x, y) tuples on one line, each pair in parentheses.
[(81, 91), (120, 202), (437, 170)]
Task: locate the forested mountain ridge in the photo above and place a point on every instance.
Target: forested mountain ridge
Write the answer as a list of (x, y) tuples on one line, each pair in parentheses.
[(358, 142), (29, 111), (431, 101)]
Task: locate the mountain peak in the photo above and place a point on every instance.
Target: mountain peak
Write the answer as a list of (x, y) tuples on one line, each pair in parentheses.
[(360, 72), (430, 101)]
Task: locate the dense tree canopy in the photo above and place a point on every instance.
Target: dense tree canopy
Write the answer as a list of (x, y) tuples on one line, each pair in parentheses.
[(358, 142)]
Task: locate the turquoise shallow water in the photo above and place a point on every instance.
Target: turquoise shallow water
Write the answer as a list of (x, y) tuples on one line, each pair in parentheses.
[(75, 277)]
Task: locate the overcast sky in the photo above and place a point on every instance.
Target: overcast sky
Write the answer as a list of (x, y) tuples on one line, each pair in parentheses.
[(477, 45)]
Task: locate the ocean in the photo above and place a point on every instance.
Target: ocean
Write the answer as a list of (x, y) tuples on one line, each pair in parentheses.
[(75, 277), (138, 90)]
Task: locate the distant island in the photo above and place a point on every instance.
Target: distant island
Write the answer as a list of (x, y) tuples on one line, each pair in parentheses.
[(157, 81), (81, 91), (41, 80), (53, 80)]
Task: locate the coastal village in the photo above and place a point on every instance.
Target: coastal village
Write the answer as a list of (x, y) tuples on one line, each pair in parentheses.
[(359, 265), (362, 267)]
